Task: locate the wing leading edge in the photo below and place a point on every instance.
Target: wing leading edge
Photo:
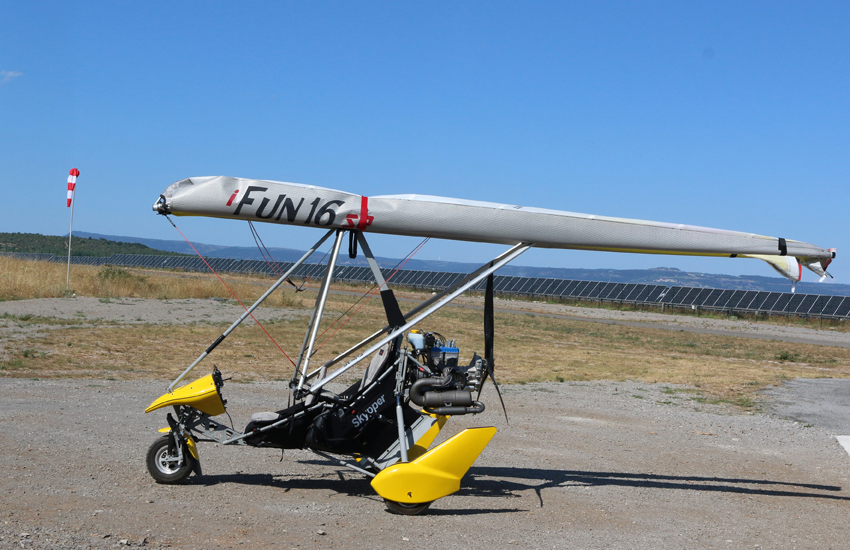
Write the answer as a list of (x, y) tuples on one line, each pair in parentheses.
[(457, 219)]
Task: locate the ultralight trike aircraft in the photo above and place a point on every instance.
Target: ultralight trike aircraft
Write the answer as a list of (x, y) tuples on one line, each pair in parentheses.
[(383, 425)]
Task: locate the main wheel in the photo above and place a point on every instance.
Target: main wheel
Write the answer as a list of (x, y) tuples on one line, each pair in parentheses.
[(165, 467), (405, 509)]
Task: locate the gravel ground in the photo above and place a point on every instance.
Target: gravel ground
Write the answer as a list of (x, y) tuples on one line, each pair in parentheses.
[(585, 465), (822, 402), (581, 465)]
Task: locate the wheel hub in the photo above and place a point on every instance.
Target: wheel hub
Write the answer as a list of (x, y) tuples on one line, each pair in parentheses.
[(165, 463)]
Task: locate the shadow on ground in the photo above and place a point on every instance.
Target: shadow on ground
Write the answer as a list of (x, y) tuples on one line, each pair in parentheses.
[(501, 482), (509, 482)]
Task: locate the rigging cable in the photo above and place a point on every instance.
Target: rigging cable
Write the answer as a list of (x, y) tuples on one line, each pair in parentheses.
[(228, 289), (318, 266), (371, 293), (269, 261), (312, 268)]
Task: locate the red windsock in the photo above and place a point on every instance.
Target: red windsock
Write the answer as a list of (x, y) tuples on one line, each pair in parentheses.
[(72, 184)]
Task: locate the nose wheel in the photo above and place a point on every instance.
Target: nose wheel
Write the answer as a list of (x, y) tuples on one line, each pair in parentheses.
[(405, 509), (167, 467)]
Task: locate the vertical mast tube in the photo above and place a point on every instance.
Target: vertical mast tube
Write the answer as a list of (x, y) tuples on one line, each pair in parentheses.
[(320, 307), (72, 187)]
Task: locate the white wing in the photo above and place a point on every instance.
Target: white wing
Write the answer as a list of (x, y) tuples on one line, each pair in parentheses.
[(457, 219)]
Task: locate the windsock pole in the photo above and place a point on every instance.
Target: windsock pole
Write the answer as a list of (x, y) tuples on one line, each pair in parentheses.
[(72, 185)]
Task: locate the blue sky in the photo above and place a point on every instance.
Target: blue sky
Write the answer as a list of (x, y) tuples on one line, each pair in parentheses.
[(725, 114)]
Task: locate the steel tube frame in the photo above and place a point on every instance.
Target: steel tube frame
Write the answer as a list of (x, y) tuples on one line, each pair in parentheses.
[(401, 373), (313, 329), (343, 462), (494, 265), (413, 311), (250, 310)]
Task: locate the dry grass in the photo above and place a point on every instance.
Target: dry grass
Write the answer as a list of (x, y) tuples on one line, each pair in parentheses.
[(24, 279), (529, 348)]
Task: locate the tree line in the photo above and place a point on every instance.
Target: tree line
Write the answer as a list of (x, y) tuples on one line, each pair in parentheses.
[(80, 246)]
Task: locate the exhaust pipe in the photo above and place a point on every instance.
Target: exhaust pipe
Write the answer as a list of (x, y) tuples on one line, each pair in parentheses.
[(477, 407), (453, 402)]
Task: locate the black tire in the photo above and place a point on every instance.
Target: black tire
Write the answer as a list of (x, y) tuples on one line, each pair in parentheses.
[(404, 509), (164, 471)]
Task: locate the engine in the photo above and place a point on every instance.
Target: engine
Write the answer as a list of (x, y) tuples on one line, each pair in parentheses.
[(443, 386)]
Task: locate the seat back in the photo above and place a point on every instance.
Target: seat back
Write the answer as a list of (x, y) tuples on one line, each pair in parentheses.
[(376, 365)]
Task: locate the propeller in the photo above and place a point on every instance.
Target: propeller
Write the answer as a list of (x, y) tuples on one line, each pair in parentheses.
[(488, 343)]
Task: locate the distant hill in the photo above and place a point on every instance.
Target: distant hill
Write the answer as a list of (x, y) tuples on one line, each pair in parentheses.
[(80, 245), (211, 250), (660, 275)]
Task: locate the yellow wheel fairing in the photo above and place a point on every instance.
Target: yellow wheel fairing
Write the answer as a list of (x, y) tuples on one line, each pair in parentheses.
[(193, 448), (421, 446), (200, 394), (435, 474)]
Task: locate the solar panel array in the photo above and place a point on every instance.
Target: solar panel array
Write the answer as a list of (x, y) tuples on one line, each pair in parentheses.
[(708, 299)]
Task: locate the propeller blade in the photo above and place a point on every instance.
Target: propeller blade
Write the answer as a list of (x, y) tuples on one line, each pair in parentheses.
[(489, 337), (498, 392), (488, 332), (488, 322)]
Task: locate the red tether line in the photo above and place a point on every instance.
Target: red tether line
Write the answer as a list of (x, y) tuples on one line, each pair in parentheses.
[(371, 294), (230, 291)]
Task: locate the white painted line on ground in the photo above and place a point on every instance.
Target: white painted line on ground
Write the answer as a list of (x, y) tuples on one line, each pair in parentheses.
[(844, 440)]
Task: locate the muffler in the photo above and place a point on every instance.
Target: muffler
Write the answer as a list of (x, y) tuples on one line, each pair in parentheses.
[(452, 402)]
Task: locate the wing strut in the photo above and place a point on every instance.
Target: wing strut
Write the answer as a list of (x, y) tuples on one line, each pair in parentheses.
[(248, 311), (395, 317), (504, 259), (313, 328)]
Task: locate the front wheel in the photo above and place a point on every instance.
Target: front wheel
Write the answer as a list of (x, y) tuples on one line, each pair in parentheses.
[(167, 468), (405, 509)]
